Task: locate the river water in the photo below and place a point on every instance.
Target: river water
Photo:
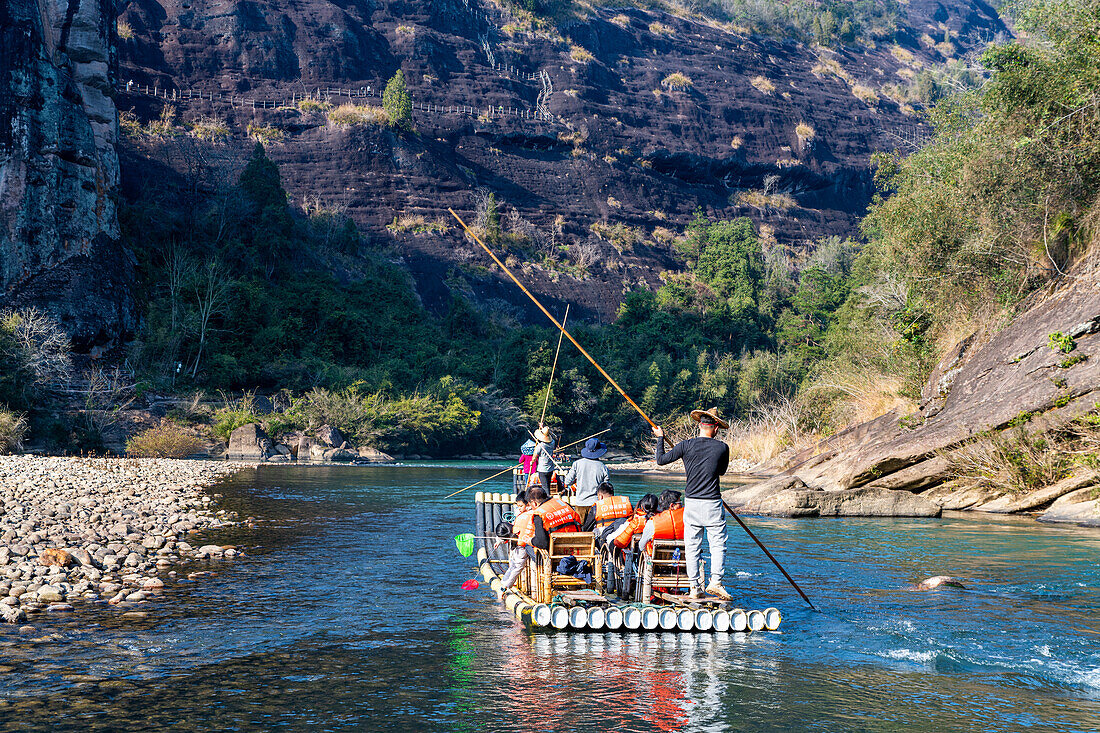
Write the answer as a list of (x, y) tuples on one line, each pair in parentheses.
[(347, 614)]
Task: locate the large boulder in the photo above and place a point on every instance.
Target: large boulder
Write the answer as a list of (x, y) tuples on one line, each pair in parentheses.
[(374, 455), (330, 436), (249, 442), (849, 503), (1077, 507)]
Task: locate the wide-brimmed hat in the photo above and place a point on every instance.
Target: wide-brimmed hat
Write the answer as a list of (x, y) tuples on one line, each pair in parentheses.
[(712, 413), (593, 448), (543, 435)]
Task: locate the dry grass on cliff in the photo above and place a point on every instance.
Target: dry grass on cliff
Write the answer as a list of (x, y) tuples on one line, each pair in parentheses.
[(418, 224), (762, 201), (769, 430), (349, 115), (763, 85), (855, 396), (1021, 461)]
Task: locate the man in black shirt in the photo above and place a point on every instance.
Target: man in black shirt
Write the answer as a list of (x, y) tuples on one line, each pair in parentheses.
[(705, 459)]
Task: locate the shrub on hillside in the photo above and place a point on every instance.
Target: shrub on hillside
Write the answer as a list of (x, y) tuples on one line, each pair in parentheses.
[(233, 415), (677, 82), (13, 427), (167, 440), (397, 102)]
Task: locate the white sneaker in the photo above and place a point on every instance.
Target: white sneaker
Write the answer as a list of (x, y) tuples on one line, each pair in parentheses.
[(695, 593), (716, 590)]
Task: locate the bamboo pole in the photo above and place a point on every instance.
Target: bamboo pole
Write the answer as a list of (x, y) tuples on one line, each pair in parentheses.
[(546, 399), (498, 473), (593, 435), (625, 396)]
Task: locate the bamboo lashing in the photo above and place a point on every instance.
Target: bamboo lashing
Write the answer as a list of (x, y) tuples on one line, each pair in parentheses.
[(625, 396)]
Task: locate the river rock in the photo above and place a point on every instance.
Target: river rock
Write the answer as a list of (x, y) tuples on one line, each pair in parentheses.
[(374, 455), (1010, 503), (1077, 507), (12, 614), (55, 557), (82, 556), (49, 594), (850, 503), (339, 454), (250, 442), (330, 436), (59, 608), (152, 583), (211, 550)]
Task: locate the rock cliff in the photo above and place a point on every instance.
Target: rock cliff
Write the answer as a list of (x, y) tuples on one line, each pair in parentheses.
[(1012, 378), (755, 126), (59, 170)]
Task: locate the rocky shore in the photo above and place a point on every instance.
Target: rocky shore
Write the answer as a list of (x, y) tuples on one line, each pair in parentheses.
[(100, 530)]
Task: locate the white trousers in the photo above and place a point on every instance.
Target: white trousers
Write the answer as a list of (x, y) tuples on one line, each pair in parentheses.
[(705, 515), (517, 561)]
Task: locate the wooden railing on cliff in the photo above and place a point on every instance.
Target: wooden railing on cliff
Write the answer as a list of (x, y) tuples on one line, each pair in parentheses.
[(362, 95)]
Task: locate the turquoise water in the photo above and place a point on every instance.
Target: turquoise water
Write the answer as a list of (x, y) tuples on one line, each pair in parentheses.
[(347, 614)]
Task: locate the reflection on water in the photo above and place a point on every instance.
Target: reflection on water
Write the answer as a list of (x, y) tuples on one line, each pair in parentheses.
[(347, 615)]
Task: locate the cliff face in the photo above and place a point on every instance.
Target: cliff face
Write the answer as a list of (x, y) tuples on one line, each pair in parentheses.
[(1011, 379), (762, 127), (59, 171)]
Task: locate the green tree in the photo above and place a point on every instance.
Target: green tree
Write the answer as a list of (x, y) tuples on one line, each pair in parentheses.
[(397, 102)]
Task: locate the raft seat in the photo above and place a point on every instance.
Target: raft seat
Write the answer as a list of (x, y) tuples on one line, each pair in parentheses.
[(665, 568), (582, 546)]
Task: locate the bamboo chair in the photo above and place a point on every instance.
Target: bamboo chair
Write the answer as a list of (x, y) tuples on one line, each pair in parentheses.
[(665, 568), (581, 545)]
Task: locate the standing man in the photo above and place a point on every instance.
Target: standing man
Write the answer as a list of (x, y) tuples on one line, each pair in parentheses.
[(543, 457), (705, 459), (588, 472)]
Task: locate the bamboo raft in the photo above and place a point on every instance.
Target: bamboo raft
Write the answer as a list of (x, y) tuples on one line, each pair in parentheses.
[(545, 601)]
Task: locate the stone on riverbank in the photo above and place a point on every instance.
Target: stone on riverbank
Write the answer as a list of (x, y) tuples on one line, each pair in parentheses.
[(69, 524), (249, 442), (865, 502)]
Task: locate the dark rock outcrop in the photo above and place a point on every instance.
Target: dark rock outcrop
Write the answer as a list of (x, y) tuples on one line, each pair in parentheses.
[(59, 171)]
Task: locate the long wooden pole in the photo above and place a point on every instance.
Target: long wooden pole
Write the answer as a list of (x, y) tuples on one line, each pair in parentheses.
[(593, 435), (510, 468), (625, 396), (546, 399)]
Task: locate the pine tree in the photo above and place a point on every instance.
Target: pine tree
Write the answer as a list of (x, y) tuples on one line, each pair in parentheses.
[(397, 102)]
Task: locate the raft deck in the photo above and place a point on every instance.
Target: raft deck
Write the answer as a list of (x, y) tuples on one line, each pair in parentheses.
[(546, 602)]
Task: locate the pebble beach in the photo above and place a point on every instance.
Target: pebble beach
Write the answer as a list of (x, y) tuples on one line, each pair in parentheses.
[(77, 531)]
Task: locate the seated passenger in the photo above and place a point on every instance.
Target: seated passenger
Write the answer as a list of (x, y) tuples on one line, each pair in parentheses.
[(517, 554), (608, 508), (623, 534), (549, 515), (668, 524)]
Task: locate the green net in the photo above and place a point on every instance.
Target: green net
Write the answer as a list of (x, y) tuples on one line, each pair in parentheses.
[(465, 544)]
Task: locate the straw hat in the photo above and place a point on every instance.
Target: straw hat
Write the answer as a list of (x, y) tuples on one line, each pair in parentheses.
[(543, 435), (712, 413)]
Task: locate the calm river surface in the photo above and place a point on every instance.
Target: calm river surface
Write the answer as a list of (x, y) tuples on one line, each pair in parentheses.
[(347, 614)]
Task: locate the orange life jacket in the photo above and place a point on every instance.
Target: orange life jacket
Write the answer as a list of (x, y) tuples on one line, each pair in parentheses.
[(557, 516), (612, 508), (626, 533), (668, 525), (524, 527)]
